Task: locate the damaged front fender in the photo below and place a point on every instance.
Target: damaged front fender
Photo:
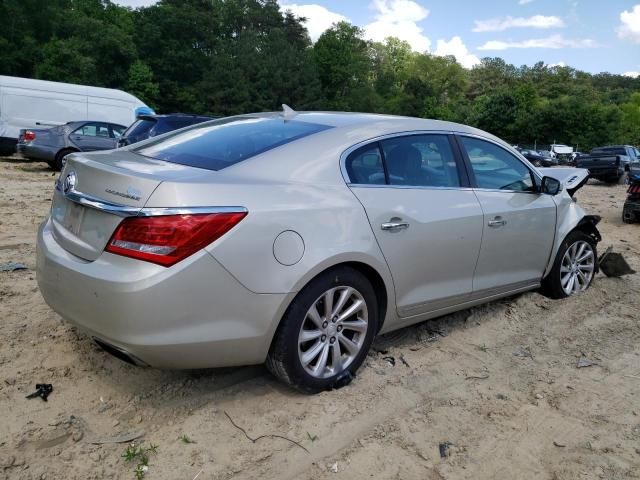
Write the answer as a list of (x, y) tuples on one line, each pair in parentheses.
[(571, 217)]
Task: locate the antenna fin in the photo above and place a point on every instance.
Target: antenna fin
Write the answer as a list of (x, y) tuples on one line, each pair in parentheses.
[(287, 111)]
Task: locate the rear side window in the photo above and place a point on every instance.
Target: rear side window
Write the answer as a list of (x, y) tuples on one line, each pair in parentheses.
[(364, 166), (421, 161), (414, 160), (221, 143), (93, 130), (610, 151)]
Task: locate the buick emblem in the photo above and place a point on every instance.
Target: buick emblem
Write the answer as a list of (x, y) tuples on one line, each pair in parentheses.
[(69, 182)]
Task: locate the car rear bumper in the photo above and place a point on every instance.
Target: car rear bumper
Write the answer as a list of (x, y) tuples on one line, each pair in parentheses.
[(36, 152), (192, 315), (605, 172)]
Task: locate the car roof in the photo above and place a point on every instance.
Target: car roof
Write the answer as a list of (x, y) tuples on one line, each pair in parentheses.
[(614, 146), (346, 119), (83, 122), (174, 115)]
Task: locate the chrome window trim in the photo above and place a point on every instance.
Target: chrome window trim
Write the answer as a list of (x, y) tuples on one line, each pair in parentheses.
[(120, 210), (424, 187), (348, 151), (407, 187)]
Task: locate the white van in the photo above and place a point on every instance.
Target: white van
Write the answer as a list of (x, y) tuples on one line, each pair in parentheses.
[(28, 103)]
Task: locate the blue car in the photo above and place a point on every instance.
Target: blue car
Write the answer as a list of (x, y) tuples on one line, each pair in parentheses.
[(147, 126)]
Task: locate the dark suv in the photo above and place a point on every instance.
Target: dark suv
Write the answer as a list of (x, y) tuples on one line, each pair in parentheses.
[(147, 126)]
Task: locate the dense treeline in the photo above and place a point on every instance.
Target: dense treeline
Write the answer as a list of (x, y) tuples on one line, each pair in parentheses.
[(230, 56)]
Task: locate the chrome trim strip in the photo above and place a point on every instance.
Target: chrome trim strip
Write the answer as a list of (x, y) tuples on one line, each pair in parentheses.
[(407, 187), (127, 211), (154, 212), (99, 204), (424, 187)]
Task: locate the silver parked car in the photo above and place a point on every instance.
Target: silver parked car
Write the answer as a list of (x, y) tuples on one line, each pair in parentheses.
[(294, 239), (51, 145)]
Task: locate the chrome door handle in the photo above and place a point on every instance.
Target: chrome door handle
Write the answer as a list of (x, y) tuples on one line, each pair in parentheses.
[(497, 222), (393, 226)]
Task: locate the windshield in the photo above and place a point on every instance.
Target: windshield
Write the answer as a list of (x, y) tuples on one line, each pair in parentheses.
[(221, 143)]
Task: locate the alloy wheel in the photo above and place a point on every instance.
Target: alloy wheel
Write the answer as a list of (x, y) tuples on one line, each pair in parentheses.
[(333, 332), (577, 268)]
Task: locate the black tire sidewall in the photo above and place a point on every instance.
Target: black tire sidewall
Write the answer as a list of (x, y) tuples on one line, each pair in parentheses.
[(287, 336), (59, 156)]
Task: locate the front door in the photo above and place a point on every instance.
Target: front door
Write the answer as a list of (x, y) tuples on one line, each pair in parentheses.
[(427, 224), (519, 222)]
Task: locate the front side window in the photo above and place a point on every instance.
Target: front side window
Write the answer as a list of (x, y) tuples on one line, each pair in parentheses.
[(220, 143), (421, 160), (495, 168)]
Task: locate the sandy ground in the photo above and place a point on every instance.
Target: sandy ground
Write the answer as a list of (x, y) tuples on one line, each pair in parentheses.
[(498, 382)]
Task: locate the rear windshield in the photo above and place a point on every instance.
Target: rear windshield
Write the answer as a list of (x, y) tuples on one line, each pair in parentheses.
[(139, 130), (221, 143), (170, 124), (610, 151)]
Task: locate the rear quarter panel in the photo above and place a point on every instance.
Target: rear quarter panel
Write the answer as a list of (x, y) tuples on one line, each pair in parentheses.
[(330, 220)]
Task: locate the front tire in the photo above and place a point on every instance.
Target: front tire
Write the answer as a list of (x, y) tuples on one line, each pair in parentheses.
[(326, 332), (573, 268)]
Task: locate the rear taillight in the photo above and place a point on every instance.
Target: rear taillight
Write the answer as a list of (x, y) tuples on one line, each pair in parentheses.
[(168, 239), (29, 136)]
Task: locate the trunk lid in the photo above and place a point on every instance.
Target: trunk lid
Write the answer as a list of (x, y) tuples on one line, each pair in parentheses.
[(82, 216), (42, 135), (572, 179)]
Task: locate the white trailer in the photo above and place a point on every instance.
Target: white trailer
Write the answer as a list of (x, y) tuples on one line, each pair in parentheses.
[(28, 103)]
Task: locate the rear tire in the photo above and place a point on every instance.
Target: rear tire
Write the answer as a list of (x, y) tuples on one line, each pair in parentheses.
[(341, 343), (58, 162), (552, 284), (622, 179), (628, 215)]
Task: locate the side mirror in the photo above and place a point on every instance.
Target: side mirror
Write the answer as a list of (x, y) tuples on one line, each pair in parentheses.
[(550, 186)]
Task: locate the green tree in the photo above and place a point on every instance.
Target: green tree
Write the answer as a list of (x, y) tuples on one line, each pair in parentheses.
[(344, 62), (140, 82)]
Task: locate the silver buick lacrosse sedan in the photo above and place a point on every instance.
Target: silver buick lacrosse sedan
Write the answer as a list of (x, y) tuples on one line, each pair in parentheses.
[(295, 238)]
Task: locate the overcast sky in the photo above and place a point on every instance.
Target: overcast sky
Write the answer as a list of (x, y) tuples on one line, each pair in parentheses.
[(591, 35)]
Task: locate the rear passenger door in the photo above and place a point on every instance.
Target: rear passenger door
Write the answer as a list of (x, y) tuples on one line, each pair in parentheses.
[(427, 223), (519, 222)]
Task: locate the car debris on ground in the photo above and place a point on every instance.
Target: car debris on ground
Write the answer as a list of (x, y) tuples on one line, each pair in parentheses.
[(613, 264), (12, 267), (43, 390)]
